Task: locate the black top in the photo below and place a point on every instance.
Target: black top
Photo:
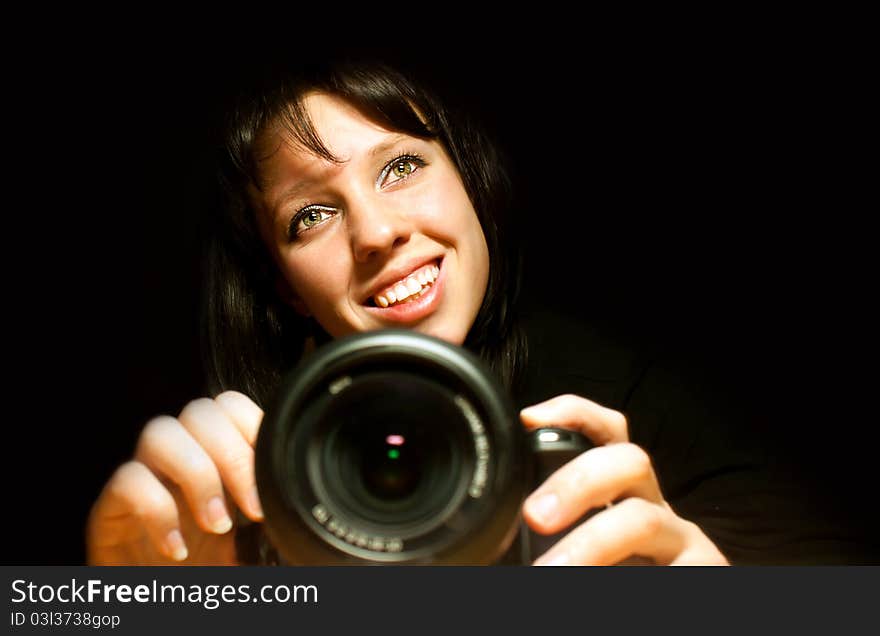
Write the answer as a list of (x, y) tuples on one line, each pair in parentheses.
[(715, 462)]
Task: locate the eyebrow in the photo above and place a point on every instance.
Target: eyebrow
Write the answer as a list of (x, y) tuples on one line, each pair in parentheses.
[(291, 193), (379, 149), (385, 146)]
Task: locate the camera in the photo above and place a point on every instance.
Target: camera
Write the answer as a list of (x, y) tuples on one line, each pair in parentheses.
[(394, 447)]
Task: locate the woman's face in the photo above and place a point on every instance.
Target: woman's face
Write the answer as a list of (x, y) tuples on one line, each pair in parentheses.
[(386, 238)]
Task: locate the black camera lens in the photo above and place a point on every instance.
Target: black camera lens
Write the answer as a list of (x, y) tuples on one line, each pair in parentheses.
[(381, 461), (394, 447), (391, 473), (390, 468)]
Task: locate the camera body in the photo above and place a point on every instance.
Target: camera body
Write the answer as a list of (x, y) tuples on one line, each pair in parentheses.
[(399, 448)]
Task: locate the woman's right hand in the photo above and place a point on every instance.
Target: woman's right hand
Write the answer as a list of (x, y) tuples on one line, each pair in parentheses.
[(172, 502)]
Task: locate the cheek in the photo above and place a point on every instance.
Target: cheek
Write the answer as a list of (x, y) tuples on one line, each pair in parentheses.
[(314, 277), (461, 229), (447, 211), (481, 261), (450, 217)]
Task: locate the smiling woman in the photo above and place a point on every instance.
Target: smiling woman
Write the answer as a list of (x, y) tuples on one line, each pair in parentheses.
[(346, 186), (354, 199), (374, 223)]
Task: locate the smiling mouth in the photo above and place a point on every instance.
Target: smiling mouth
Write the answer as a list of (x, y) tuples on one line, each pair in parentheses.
[(407, 289)]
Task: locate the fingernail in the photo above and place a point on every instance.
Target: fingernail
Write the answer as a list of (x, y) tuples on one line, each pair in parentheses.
[(254, 502), (175, 545), (560, 558), (543, 507), (218, 517)]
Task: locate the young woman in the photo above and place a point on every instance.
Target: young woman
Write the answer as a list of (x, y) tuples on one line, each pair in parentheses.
[(355, 200)]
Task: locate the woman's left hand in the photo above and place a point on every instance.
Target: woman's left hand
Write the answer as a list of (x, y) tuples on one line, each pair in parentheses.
[(642, 523)]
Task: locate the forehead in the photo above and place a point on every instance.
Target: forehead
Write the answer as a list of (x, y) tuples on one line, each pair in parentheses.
[(287, 167), (343, 130)]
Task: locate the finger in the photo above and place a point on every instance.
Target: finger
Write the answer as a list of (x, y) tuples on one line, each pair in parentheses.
[(573, 412), (243, 412), (593, 479), (169, 450), (632, 527), (134, 490), (215, 431)]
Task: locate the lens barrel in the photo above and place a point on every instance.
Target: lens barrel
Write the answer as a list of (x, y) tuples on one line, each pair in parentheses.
[(391, 447)]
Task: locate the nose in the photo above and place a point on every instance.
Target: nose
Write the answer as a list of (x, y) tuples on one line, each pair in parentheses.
[(376, 227)]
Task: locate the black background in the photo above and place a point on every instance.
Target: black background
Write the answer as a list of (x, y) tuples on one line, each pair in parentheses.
[(684, 190)]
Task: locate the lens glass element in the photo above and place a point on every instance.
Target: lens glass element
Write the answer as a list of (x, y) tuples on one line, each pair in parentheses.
[(396, 452)]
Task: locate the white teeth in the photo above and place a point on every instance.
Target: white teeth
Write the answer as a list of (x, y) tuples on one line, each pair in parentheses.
[(413, 286)]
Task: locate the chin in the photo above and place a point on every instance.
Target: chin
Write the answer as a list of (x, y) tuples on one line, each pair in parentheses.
[(450, 333)]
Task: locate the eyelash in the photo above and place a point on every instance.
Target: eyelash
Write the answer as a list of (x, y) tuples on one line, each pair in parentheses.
[(412, 157)]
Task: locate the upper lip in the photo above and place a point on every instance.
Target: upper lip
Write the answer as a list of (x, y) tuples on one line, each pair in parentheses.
[(398, 272)]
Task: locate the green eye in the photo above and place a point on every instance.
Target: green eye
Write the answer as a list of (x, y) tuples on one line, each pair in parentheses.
[(308, 218), (402, 169), (312, 217)]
